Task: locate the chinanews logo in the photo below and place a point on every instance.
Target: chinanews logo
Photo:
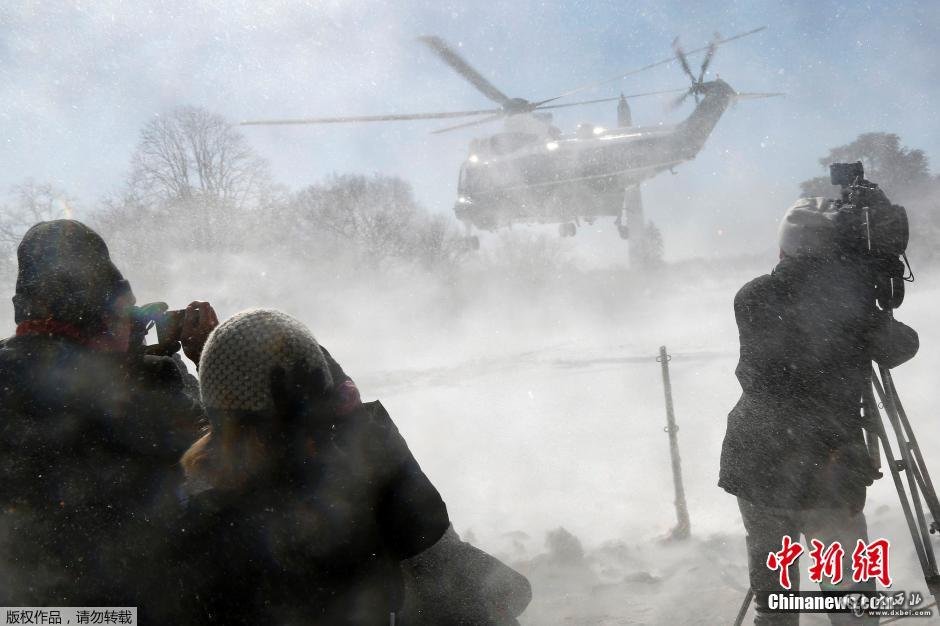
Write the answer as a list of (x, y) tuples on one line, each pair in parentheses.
[(869, 603), (869, 562)]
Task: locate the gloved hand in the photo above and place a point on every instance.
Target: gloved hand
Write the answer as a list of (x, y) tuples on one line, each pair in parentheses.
[(199, 319), (891, 342), (300, 391)]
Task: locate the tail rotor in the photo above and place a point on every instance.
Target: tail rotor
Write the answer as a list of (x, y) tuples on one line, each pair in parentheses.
[(698, 83)]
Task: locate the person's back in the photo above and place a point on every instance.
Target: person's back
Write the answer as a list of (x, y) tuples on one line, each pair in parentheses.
[(806, 332)]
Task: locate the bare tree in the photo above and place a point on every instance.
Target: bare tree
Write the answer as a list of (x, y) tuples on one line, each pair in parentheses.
[(378, 214), (28, 203), (192, 154), (438, 243)]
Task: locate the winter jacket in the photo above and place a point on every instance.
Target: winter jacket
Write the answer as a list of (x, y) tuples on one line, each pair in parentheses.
[(322, 551), (808, 333), (89, 444)]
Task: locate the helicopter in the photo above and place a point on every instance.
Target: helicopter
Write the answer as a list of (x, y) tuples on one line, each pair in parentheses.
[(533, 173)]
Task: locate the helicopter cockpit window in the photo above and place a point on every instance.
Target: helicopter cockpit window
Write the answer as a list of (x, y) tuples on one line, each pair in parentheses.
[(469, 180), (505, 143)]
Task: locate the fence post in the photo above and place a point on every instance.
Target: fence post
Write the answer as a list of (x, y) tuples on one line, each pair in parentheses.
[(683, 527)]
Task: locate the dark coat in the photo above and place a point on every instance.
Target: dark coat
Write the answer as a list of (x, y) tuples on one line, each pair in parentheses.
[(808, 334), (89, 450), (325, 551)]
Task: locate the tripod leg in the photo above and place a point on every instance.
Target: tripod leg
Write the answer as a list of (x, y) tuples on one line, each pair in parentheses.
[(926, 485), (917, 521), (899, 486), (872, 424), (742, 612), (917, 525)]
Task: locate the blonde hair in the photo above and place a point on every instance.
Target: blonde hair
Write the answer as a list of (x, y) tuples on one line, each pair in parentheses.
[(225, 460)]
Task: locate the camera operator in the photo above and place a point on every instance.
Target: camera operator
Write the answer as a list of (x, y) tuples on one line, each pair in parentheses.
[(794, 452), (91, 428)]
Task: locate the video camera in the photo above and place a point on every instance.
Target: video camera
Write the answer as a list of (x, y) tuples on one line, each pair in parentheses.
[(871, 227), (168, 323)]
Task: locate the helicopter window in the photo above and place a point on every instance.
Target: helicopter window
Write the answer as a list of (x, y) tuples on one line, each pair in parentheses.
[(469, 180), (505, 143), (585, 131)]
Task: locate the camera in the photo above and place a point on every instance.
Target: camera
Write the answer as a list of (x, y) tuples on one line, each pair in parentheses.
[(845, 174), (870, 227), (168, 323)]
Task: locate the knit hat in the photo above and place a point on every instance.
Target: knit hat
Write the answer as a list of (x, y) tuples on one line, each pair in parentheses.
[(235, 370)]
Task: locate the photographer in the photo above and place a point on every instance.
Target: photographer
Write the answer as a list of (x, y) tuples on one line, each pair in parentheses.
[(90, 428), (794, 452), (315, 500)]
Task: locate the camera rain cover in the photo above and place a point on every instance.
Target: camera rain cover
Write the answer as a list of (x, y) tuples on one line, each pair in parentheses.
[(820, 226)]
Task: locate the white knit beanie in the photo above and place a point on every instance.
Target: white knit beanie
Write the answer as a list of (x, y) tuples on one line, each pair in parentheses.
[(242, 352)]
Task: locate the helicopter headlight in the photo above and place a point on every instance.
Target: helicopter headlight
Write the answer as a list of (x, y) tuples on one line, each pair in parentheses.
[(464, 200), (599, 130), (474, 158), (551, 146)]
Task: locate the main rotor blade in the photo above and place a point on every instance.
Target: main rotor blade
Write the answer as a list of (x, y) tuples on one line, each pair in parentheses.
[(632, 95), (449, 56), (485, 120), (370, 118), (754, 95), (647, 67)]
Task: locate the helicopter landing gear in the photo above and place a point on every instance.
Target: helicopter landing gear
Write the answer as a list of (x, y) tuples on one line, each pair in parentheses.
[(622, 225), (567, 229), (469, 241)]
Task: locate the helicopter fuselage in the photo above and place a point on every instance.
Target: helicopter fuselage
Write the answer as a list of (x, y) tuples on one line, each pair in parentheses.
[(547, 177)]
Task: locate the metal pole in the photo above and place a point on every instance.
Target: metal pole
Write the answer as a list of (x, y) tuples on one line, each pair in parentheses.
[(683, 527)]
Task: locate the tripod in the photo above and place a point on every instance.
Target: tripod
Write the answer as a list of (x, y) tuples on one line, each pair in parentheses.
[(919, 490)]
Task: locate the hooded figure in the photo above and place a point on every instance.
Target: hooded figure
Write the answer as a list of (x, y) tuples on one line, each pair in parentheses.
[(65, 274), (303, 502), (88, 432), (794, 453)]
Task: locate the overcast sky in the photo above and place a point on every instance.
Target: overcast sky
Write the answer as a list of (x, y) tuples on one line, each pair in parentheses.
[(79, 80)]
